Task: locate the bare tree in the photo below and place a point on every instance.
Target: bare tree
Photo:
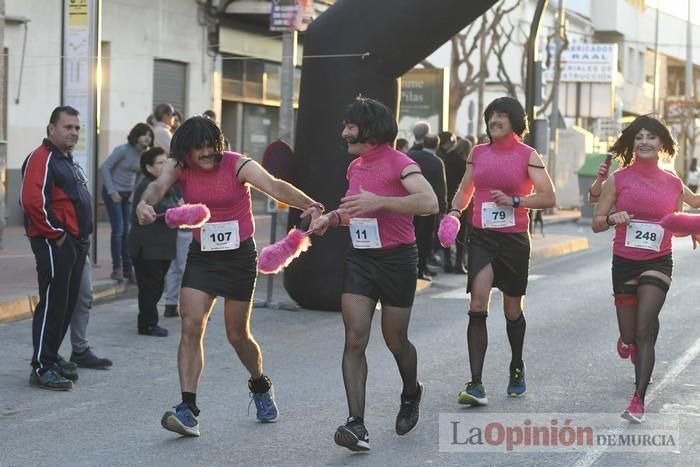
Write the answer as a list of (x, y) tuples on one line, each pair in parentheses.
[(471, 51), (556, 59)]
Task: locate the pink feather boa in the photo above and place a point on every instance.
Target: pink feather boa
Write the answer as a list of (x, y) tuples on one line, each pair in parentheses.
[(273, 258), (681, 224), (187, 216), (448, 230)]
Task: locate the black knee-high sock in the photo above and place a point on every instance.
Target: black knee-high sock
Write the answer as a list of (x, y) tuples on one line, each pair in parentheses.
[(477, 341), (516, 337)]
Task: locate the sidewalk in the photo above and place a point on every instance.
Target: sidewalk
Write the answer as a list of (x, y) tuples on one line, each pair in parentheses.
[(18, 283)]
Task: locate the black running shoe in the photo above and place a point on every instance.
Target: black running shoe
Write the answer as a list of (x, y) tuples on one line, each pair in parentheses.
[(353, 435), (407, 419)]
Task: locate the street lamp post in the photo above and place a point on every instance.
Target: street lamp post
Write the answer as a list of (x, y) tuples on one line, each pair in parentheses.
[(531, 82)]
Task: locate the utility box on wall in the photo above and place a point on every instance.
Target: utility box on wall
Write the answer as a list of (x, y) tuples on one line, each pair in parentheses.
[(587, 174), (572, 146)]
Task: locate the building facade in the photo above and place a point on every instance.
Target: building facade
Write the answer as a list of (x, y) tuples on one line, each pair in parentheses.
[(152, 52)]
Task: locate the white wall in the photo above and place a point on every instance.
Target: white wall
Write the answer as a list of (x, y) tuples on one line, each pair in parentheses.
[(137, 32), (163, 29), (41, 80)]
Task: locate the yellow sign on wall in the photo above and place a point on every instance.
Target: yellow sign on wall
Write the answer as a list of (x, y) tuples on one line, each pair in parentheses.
[(78, 13)]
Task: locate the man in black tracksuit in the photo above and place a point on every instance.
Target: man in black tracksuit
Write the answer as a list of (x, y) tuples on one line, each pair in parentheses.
[(58, 221)]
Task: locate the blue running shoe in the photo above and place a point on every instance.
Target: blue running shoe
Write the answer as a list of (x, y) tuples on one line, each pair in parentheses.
[(181, 421), (474, 395), (265, 404), (516, 386)]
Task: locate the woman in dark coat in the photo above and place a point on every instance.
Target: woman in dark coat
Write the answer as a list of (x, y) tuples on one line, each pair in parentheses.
[(151, 247)]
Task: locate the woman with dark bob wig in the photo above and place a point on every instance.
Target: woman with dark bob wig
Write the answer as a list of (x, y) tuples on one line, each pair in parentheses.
[(641, 193), (119, 173), (385, 190), (222, 260)]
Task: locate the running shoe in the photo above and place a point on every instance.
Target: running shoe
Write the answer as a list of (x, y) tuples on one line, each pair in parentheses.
[(264, 404), (635, 411), (623, 350), (407, 419), (181, 420), (473, 395), (516, 385), (353, 435)]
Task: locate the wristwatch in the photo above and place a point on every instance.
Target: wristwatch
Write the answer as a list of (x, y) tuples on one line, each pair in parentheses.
[(516, 201)]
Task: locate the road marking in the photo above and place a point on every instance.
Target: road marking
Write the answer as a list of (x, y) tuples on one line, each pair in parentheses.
[(454, 294), (676, 369), (460, 293)]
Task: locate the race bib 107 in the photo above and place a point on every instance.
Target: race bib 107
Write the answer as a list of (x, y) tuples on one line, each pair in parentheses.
[(217, 236)]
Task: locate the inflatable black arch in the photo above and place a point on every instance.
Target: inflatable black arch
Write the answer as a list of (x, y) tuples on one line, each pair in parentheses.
[(355, 47)]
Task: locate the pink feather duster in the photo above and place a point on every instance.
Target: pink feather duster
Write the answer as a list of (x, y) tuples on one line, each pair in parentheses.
[(273, 258), (187, 216), (447, 232), (681, 224)]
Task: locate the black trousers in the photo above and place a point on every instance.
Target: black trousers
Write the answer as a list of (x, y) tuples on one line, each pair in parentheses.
[(59, 272), (150, 279), (425, 231)]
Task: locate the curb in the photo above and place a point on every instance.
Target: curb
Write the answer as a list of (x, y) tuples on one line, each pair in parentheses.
[(570, 246), (23, 307)]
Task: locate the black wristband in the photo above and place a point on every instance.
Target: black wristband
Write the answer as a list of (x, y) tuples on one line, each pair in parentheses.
[(455, 210), (607, 220)]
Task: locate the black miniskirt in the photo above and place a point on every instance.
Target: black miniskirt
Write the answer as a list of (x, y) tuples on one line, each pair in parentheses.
[(387, 274), (508, 254), (228, 273), (624, 270)]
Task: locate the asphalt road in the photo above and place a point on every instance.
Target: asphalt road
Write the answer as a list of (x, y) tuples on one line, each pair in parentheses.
[(113, 417)]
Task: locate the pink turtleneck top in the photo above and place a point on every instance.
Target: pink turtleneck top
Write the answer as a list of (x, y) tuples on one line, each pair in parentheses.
[(221, 191), (648, 192), (379, 171), (501, 165)]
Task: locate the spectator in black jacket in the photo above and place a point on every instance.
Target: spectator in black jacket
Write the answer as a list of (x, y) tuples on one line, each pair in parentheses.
[(152, 247), (58, 220), (420, 130), (434, 171), (455, 166)]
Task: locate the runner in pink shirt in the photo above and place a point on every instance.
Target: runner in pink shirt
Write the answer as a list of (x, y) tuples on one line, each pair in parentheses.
[(222, 260), (641, 193), (385, 190), (505, 178)]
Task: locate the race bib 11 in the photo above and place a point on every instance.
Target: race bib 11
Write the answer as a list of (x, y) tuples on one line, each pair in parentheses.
[(365, 233)]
